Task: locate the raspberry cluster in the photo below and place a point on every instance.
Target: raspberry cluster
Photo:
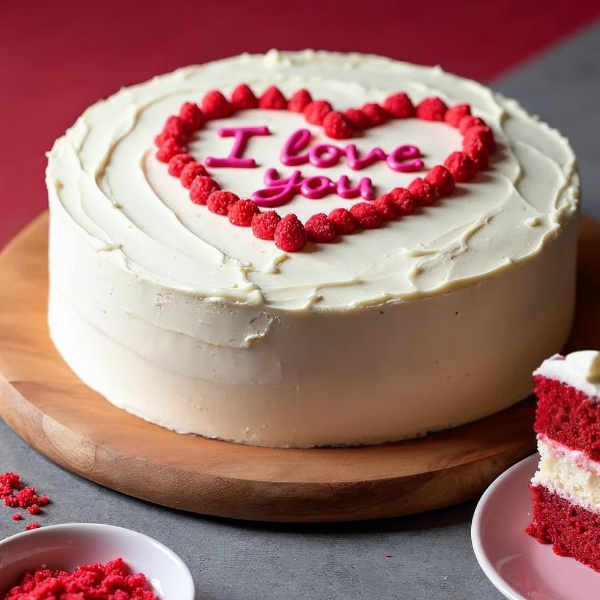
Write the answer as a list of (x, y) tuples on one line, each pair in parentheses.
[(289, 233), (17, 497)]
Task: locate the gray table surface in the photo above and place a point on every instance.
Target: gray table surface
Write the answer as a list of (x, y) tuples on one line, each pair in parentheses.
[(420, 557)]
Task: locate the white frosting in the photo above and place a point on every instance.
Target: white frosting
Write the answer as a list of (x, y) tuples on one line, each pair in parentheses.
[(388, 334), (580, 370), (568, 473)]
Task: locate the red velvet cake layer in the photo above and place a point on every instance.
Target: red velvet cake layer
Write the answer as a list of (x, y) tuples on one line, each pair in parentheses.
[(573, 530), (568, 416)]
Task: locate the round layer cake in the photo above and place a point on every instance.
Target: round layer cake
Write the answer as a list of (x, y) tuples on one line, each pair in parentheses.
[(421, 297)]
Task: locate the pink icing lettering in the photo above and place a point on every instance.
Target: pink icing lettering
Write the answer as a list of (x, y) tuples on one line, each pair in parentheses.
[(357, 163), (364, 188), (325, 155), (316, 187), (240, 136), (279, 190), (400, 159), (293, 146)]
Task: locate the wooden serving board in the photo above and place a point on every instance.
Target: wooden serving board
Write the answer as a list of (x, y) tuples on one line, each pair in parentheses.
[(49, 407)]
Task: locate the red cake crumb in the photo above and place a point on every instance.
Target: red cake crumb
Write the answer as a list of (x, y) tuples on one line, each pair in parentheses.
[(220, 201), (461, 166), (567, 415), (366, 216), (243, 97), (290, 235), (299, 101), (441, 179), (201, 189), (455, 113), (319, 228), (423, 192), (264, 225), (432, 109), (357, 117), (272, 99), (17, 517), (375, 113), (467, 122), (399, 106), (343, 222), (386, 207), (191, 115), (10, 481), (169, 148), (241, 212), (315, 111), (571, 529), (404, 201), (216, 106), (113, 581), (34, 509), (337, 126), (190, 172), (31, 526), (16, 497), (177, 163)]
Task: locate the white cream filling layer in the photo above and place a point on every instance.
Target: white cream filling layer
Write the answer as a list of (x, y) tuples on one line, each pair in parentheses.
[(571, 474)]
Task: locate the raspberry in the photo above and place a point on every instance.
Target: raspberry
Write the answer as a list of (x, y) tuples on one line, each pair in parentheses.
[(432, 109), (337, 126), (272, 99), (399, 106), (34, 525), (241, 212), (161, 138), (216, 106), (190, 172), (404, 201), (34, 509), (455, 113), (315, 111), (202, 188), (169, 148), (191, 115), (290, 235), (468, 122), (243, 97), (366, 215), (343, 222), (461, 166), (477, 152), (220, 201), (375, 113), (385, 206), (177, 163), (299, 101), (17, 517), (423, 192), (484, 133), (264, 225), (358, 119), (320, 229), (441, 179), (176, 127)]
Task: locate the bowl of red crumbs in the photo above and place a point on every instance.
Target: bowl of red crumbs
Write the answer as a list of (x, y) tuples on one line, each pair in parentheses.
[(85, 561)]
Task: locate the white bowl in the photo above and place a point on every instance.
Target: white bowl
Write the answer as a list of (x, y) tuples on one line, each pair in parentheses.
[(69, 546)]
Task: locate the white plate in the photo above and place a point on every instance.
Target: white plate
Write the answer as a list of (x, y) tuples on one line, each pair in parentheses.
[(519, 566)]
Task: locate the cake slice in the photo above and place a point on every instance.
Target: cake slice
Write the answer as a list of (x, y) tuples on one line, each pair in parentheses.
[(566, 486)]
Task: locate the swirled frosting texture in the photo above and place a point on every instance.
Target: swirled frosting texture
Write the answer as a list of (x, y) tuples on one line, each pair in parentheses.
[(104, 175)]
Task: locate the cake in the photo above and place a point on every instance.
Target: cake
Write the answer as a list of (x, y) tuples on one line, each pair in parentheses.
[(305, 249), (566, 486)]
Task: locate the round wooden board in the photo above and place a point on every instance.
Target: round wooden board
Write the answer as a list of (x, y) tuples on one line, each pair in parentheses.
[(49, 407)]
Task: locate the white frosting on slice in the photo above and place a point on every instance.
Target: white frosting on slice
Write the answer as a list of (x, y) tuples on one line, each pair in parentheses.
[(568, 473), (580, 370)]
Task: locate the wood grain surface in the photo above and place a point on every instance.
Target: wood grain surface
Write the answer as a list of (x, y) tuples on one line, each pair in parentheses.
[(43, 401)]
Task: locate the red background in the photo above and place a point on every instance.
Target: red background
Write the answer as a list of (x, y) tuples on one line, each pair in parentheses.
[(57, 57)]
